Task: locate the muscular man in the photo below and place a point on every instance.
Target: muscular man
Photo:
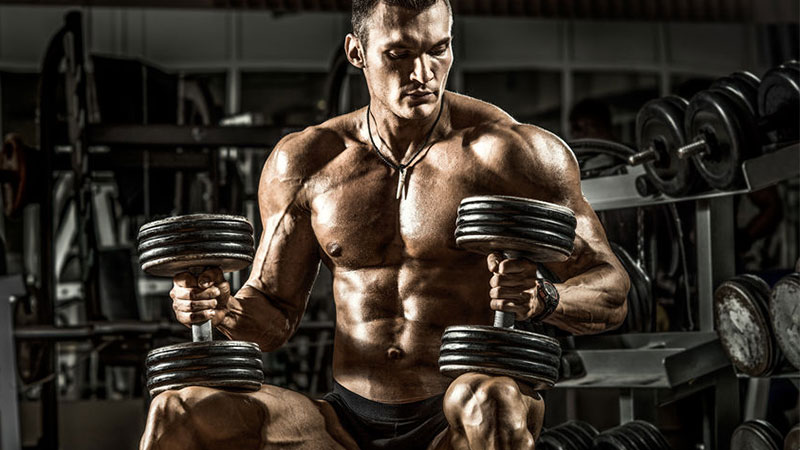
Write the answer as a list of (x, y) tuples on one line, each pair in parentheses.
[(333, 193)]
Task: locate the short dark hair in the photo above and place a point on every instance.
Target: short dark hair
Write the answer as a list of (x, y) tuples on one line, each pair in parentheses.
[(362, 10)]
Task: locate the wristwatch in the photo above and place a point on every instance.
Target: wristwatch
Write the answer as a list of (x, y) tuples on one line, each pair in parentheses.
[(548, 295)]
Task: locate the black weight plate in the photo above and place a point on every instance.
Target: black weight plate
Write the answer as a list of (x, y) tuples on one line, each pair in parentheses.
[(779, 100), (169, 261), (197, 248), (717, 118), (748, 122), (652, 435), (194, 222), (539, 376), (526, 206), (490, 350), (191, 237), (753, 436), (575, 435), (200, 363), (784, 312), (218, 374), (769, 430), (584, 429), (639, 296), (550, 442), (567, 439), (187, 350), (624, 435), (792, 441), (237, 385), (659, 124), (742, 329), (502, 336), (741, 85), (609, 441), (535, 251), (637, 436), (549, 238), (517, 220)]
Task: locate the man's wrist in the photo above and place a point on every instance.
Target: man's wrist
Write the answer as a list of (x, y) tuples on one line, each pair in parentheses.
[(548, 297)]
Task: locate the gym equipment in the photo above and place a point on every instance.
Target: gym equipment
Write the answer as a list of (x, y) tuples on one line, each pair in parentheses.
[(572, 435), (792, 441), (634, 435), (756, 435), (741, 318), (779, 102), (194, 243), (518, 228), (640, 299), (659, 133), (784, 315)]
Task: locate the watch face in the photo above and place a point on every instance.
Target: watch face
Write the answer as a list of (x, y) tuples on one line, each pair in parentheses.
[(550, 290)]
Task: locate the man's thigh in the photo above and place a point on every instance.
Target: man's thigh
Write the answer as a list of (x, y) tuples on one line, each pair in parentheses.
[(273, 417)]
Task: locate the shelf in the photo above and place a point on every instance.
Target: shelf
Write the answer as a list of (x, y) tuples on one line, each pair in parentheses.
[(646, 360), (619, 191)]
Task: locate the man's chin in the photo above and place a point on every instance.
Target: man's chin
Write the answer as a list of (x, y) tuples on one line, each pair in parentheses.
[(417, 110)]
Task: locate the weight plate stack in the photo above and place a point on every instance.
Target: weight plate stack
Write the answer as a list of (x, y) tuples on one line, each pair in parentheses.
[(541, 231), (659, 125), (756, 435), (779, 101), (233, 365), (784, 314), (572, 435), (741, 318), (634, 435), (176, 244), (744, 85), (792, 441), (722, 122)]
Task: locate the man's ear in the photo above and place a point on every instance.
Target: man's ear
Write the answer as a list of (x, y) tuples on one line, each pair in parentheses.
[(353, 50)]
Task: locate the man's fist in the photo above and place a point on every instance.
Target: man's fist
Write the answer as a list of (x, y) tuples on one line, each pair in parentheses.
[(513, 286), (201, 298)]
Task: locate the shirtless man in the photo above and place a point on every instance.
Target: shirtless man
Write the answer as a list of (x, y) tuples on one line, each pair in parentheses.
[(332, 193)]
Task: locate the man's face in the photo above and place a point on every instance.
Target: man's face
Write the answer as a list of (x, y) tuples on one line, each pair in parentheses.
[(408, 58)]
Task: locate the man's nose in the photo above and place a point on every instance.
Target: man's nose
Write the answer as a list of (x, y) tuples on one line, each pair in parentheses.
[(423, 71)]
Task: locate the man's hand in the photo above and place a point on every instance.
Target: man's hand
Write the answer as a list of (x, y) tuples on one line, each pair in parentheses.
[(513, 286), (197, 299)]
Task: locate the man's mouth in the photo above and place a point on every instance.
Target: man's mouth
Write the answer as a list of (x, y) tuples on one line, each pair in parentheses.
[(419, 94)]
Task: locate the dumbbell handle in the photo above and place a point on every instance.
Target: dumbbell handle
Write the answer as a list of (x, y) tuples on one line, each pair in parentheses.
[(695, 148), (646, 155), (201, 332), (650, 153), (503, 319)]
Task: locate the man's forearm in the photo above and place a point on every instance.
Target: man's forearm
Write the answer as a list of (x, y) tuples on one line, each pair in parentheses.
[(592, 302), (252, 316)]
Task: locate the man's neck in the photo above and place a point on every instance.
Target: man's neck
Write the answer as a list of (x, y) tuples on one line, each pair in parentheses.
[(399, 138)]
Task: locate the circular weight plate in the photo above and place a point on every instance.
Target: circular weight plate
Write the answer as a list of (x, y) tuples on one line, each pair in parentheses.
[(659, 124), (748, 123), (652, 435), (744, 85), (584, 429), (717, 118), (769, 431), (567, 440), (492, 350), (501, 336), (792, 441), (762, 293), (538, 376), (518, 220), (194, 237), (784, 312), (549, 441), (215, 374), (548, 238), (742, 329), (779, 99), (534, 250), (194, 222), (205, 363), (187, 350), (231, 385), (526, 206), (609, 441), (245, 381), (636, 437), (575, 435), (751, 436), (173, 265)]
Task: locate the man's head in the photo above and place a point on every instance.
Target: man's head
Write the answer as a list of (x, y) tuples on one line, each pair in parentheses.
[(403, 47)]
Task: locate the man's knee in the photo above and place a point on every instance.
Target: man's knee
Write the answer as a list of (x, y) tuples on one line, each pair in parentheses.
[(493, 408)]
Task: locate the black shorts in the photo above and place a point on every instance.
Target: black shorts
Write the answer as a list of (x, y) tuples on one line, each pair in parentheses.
[(387, 426)]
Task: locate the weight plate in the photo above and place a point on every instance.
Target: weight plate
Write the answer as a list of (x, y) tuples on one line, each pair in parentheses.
[(652, 435), (526, 206), (608, 441), (238, 379), (549, 238), (188, 350), (779, 100), (195, 249), (518, 220), (537, 375), (742, 329), (659, 124), (752, 435), (502, 336), (203, 363), (548, 441), (760, 291), (586, 429), (194, 222), (566, 439), (792, 441), (744, 85), (784, 313), (533, 250), (717, 119), (747, 121), (491, 350), (629, 440), (575, 435), (193, 237)]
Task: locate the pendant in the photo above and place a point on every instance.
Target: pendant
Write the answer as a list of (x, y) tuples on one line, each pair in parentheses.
[(401, 182)]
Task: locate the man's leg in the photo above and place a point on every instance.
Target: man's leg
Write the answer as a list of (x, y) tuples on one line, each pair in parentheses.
[(490, 413), (207, 418)]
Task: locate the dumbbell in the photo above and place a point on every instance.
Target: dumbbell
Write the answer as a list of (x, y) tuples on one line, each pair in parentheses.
[(784, 315), (756, 435), (634, 435), (194, 243), (742, 321), (572, 435), (517, 227)]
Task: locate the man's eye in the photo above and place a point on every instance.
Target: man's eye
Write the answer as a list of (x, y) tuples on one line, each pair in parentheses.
[(438, 51), (394, 55)]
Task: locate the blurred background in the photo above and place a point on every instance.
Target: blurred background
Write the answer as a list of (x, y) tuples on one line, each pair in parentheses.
[(116, 113)]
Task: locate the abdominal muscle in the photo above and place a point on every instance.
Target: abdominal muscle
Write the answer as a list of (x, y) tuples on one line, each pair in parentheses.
[(389, 323)]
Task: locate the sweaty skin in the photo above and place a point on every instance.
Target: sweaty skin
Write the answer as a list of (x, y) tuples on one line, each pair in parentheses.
[(398, 278)]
